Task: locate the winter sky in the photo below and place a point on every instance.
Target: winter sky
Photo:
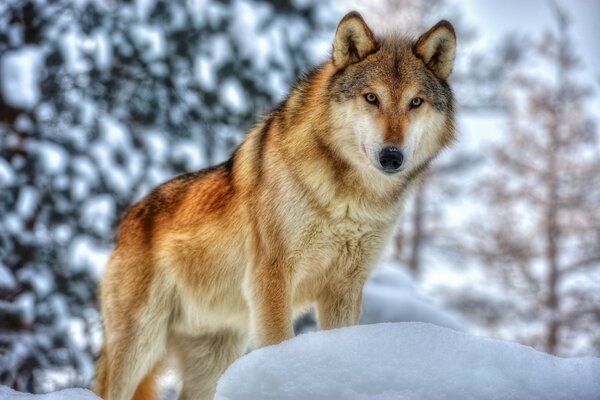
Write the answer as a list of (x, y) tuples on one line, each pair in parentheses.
[(492, 19)]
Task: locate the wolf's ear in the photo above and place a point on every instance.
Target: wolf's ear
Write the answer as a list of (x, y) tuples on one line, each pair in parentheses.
[(437, 48), (353, 40)]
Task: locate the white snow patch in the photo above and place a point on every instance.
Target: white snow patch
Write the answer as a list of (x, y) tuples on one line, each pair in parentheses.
[(7, 280), (390, 296), (406, 361), (98, 212), (71, 45), (191, 154), (114, 132), (41, 280), (19, 77), (23, 123), (67, 394), (143, 8), (13, 223), (54, 157), (232, 95), (151, 39), (157, 145), (27, 201), (103, 50), (26, 305), (205, 73), (84, 253), (7, 175)]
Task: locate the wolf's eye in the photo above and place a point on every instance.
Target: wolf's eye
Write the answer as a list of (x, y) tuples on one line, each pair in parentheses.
[(416, 102), (371, 98)]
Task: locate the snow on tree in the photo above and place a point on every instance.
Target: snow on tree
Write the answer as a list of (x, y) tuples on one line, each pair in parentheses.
[(99, 102), (539, 231)]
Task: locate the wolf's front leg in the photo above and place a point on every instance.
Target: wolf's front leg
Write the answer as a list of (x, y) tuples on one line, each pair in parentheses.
[(339, 304), (270, 300)]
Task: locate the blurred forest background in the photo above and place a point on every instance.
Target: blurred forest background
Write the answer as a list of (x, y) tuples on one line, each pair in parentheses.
[(102, 100)]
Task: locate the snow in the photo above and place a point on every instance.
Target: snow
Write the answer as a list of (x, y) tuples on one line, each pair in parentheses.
[(67, 394), (143, 8), (116, 140), (25, 303), (232, 95), (19, 77), (98, 212), (7, 280), (390, 296), (103, 50), (22, 306), (27, 201), (246, 28), (85, 253), (205, 74), (406, 361), (53, 157), (71, 45), (41, 280), (151, 40), (6, 173)]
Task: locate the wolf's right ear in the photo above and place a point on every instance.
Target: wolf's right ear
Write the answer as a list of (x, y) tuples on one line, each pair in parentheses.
[(437, 48), (353, 40)]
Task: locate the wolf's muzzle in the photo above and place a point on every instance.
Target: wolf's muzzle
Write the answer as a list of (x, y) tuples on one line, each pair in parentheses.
[(391, 159)]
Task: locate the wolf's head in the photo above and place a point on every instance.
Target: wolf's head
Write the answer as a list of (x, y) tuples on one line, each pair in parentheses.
[(390, 100)]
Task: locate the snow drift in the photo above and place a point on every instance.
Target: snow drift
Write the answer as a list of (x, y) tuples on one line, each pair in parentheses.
[(390, 295), (406, 361), (67, 394)]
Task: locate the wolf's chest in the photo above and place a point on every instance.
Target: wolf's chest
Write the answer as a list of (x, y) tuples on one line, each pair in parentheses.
[(327, 242), (326, 249)]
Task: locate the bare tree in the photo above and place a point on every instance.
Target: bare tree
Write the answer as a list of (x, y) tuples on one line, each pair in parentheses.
[(540, 230)]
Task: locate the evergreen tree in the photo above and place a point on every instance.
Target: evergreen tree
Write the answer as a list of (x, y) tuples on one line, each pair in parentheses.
[(99, 103)]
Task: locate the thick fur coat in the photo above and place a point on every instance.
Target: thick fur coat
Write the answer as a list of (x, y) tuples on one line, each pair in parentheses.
[(298, 216)]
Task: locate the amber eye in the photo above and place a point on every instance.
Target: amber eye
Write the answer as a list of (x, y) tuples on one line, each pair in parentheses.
[(416, 102), (371, 98)]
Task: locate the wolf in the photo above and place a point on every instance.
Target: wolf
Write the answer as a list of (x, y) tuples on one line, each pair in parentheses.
[(213, 260)]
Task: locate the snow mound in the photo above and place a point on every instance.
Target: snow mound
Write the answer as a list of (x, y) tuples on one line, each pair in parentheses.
[(67, 394), (19, 77), (391, 296), (407, 361)]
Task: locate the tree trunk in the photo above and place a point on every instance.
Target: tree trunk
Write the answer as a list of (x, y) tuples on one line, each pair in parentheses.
[(414, 262)]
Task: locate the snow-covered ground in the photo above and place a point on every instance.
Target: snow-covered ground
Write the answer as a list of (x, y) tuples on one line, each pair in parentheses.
[(67, 394), (406, 361), (390, 295)]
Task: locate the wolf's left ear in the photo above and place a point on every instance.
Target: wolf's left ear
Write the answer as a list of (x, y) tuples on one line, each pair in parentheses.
[(437, 48), (353, 40)]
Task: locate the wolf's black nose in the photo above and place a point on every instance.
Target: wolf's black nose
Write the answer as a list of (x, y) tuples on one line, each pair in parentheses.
[(391, 159)]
